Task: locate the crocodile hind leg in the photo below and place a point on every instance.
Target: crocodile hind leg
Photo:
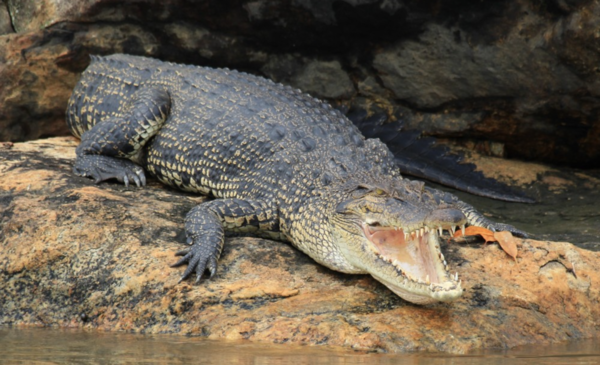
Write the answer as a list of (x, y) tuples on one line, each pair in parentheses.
[(106, 148), (205, 225)]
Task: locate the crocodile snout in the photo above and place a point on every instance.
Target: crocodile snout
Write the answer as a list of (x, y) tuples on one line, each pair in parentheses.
[(446, 218)]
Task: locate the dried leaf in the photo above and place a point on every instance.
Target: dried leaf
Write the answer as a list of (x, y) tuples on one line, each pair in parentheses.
[(505, 239), (507, 242), (487, 235)]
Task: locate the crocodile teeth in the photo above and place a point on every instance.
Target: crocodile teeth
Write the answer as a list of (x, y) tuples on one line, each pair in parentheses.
[(440, 230), (427, 281), (456, 276), (462, 229), (452, 229)]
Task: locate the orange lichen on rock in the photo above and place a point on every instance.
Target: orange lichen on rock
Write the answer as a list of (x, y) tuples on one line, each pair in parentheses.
[(104, 251)]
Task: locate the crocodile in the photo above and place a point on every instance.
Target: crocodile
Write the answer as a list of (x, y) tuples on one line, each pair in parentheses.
[(279, 163)]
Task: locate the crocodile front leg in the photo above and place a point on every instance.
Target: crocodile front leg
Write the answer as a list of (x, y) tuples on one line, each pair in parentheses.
[(205, 225), (105, 149), (475, 218)]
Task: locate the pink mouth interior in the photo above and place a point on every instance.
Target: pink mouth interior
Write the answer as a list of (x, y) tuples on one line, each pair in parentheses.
[(413, 255)]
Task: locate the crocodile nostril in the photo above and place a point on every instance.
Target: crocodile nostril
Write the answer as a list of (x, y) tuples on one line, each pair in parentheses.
[(445, 217)]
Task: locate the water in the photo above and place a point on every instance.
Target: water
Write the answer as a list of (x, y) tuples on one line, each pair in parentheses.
[(569, 214), (59, 346)]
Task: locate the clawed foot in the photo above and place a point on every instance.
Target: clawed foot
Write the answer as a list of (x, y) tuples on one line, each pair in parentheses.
[(101, 168), (498, 227), (198, 259)]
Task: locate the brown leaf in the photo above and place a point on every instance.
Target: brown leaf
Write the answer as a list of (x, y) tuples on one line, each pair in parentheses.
[(507, 242), (487, 235)]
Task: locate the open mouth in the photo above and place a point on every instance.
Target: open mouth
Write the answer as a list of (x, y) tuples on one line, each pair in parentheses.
[(422, 271)]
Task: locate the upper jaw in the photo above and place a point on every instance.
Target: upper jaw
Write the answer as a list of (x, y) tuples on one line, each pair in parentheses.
[(417, 270)]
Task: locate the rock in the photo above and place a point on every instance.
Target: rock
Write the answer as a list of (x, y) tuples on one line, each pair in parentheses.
[(323, 79), (514, 73), (73, 250), (35, 88), (5, 22), (437, 69), (528, 63)]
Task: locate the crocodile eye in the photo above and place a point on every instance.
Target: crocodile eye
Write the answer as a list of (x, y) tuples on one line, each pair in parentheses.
[(359, 193), (379, 192)]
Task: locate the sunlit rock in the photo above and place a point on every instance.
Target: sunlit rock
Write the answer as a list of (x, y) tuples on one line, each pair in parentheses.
[(75, 254)]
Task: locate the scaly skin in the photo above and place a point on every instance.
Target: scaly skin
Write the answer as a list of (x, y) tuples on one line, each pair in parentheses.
[(280, 163)]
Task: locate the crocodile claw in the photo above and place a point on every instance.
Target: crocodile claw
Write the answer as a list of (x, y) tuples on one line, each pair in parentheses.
[(101, 168), (498, 227), (197, 261)]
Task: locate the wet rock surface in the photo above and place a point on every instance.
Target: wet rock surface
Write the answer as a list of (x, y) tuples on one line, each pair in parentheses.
[(74, 254), (519, 74)]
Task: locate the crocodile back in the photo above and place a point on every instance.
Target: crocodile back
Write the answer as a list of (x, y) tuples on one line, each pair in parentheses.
[(231, 134), (104, 90)]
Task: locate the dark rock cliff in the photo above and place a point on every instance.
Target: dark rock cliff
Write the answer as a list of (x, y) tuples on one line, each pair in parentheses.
[(514, 78)]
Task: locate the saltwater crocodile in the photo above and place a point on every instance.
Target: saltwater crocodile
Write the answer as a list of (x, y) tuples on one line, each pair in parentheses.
[(280, 164)]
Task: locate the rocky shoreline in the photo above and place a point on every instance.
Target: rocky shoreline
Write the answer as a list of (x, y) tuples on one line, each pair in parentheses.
[(74, 254)]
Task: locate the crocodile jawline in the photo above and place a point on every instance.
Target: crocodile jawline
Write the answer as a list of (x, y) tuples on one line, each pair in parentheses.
[(416, 257)]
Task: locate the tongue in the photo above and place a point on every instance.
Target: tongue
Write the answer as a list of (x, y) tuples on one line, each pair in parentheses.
[(413, 256)]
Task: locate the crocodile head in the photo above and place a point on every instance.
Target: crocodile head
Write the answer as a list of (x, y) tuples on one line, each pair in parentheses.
[(393, 233)]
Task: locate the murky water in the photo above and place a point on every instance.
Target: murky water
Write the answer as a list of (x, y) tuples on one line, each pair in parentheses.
[(55, 346), (571, 214)]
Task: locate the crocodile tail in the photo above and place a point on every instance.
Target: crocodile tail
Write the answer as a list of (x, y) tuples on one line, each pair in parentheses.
[(422, 157)]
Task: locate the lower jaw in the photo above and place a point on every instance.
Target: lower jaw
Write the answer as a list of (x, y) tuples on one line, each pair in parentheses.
[(425, 298)]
